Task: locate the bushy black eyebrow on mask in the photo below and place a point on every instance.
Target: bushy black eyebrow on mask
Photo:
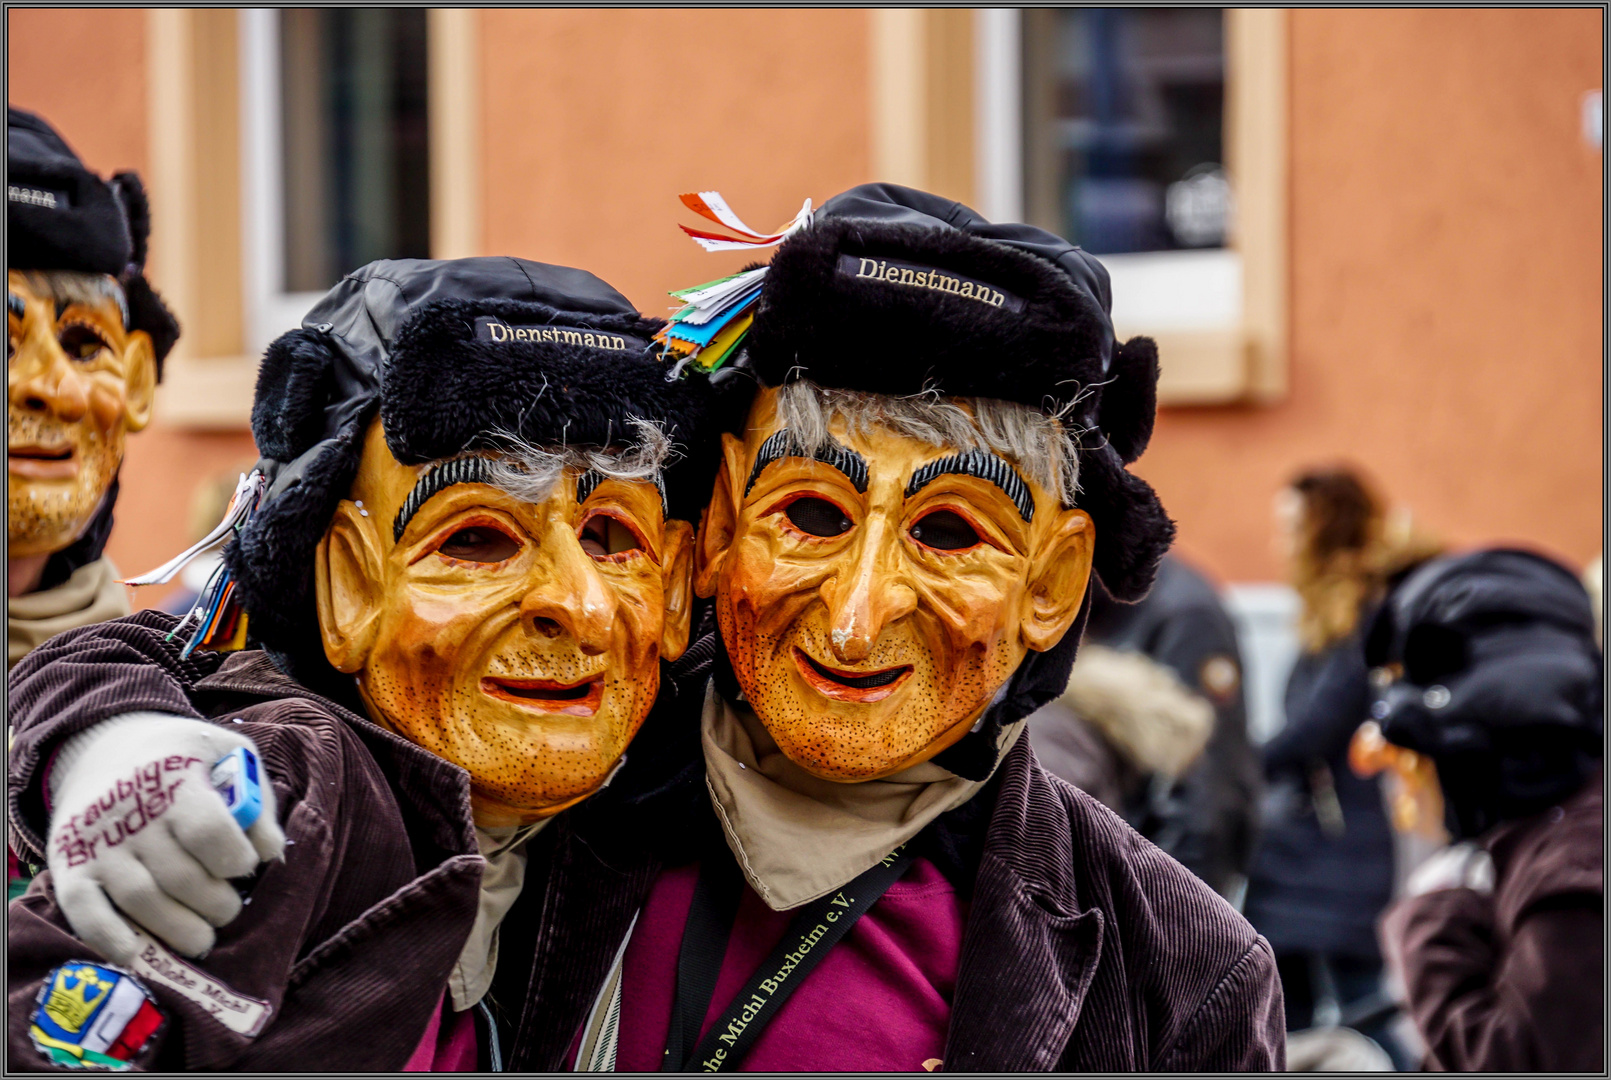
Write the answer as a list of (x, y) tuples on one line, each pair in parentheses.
[(985, 466), (783, 444)]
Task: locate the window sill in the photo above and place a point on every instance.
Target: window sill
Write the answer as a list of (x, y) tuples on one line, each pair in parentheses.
[(207, 393)]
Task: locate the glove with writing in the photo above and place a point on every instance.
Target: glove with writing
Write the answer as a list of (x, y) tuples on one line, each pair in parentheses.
[(136, 822)]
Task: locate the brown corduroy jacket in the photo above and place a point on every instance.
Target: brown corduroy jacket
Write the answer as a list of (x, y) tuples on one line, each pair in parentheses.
[(1514, 982), (1086, 948)]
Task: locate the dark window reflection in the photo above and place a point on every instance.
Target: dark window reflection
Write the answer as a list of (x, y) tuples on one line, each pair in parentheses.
[(1124, 112), (356, 158)]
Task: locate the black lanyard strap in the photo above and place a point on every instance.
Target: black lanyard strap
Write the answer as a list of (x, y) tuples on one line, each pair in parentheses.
[(699, 960), (813, 931)]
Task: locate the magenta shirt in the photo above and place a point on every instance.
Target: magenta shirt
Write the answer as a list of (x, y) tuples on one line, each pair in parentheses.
[(449, 1043), (879, 1001)]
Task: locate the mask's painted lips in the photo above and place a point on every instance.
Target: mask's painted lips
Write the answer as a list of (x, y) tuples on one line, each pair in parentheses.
[(860, 687), (546, 695), (42, 462)]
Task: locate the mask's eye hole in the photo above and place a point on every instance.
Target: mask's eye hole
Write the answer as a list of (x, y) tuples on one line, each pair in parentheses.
[(945, 530), (80, 342), (604, 535), (479, 543), (818, 517)]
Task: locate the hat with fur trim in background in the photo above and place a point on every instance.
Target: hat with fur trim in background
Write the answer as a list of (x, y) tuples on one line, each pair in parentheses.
[(447, 353), (61, 216), (1501, 682), (896, 291)]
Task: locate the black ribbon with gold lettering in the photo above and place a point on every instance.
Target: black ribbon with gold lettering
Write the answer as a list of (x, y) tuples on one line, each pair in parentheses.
[(817, 928)]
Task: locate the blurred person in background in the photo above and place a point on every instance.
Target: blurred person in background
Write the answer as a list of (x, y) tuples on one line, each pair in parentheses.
[(86, 338), (1594, 582), (1155, 726), (1324, 868), (1492, 675), (85, 341)]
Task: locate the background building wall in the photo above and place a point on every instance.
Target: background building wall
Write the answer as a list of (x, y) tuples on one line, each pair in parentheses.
[(594, 121), (1446, 289), (1446, 284)]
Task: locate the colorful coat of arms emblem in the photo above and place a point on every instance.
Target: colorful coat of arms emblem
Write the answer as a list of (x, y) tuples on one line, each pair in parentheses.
[(92, 1016)]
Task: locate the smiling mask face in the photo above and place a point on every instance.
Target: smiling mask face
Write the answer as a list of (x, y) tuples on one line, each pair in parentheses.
[(519, 640), (873, 606), (77, 382)]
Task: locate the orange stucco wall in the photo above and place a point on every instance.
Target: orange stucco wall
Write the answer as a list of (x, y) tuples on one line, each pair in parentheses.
[(595, 120), (1446, 289)]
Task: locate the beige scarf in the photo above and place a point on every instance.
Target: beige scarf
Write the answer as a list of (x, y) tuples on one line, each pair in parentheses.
[(501, 881), (798, 837), (91, 595)]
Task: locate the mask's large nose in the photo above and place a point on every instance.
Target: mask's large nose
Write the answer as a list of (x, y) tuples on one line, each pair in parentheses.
[(870, 594), (569, 596), (41, 378)]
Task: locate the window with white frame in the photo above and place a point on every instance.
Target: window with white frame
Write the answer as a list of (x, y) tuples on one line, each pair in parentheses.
[(1130, 131), (335, 152)]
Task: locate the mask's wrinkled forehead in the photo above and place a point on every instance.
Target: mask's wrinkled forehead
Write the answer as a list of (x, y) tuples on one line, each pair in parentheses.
[(981, 464), (479, 470)]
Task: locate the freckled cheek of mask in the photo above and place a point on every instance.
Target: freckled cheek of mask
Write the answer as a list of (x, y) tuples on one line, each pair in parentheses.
[(48, 515), (959, 660), (425, 679), (759, 598)]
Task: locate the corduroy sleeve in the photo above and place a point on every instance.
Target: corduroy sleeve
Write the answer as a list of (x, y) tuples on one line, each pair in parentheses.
[(73, 682), (1533, 1004), (1240, 1026)]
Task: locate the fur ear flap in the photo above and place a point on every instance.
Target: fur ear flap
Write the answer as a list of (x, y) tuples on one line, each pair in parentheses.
[(137, 210), (1133, 531), (1130, 402), (148, 312), (293, 386)]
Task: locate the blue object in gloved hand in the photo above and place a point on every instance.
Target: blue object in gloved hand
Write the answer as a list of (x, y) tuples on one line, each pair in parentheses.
[(235, 777)]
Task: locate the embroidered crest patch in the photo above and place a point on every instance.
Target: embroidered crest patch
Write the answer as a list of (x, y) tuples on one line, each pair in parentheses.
[(93, 1016)]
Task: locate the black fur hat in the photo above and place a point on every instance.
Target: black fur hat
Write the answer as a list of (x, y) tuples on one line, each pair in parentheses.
[(896, 291), (1501, 683), (61, 216), (445, 352)]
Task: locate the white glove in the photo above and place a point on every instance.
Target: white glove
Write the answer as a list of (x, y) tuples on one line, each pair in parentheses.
[(135, 821), (1458, 866)]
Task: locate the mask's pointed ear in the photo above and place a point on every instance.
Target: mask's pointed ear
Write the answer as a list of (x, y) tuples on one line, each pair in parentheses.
[(139, 379), (719, 522), (1058, 579), (347, 581), (1129, 402), (678, 562)]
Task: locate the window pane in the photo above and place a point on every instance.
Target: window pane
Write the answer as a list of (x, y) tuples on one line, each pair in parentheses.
[(1124, 110), (355, 155)]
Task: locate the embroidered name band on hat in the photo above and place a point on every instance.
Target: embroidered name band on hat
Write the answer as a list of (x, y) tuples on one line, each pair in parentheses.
[(490, 329), (896, 272), (50, 200)]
